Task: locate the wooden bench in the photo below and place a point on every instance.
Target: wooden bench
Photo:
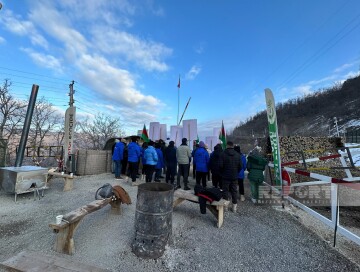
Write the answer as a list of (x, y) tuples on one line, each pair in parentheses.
[(37, 262), (68, 179), (64, 242), (215, 207)]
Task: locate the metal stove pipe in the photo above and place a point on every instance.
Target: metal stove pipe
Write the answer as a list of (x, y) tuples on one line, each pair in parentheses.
[(26, 128)]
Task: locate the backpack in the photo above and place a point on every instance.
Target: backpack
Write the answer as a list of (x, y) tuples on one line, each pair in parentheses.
[(104, 191)]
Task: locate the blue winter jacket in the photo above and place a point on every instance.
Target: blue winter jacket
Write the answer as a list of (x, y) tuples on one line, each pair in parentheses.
[(201, 160), (143, 156), (160, 163), (150, 156), (118, 154), (133, 152), (242, 171)]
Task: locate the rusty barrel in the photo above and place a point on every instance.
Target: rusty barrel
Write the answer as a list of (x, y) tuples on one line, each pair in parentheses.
[(153, 219)]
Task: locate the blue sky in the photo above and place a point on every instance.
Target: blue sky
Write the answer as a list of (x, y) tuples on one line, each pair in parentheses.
[(126, 56)]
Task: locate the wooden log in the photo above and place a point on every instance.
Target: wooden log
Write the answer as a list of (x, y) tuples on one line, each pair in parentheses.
[(68, 179), (215, 207), (64, 242)]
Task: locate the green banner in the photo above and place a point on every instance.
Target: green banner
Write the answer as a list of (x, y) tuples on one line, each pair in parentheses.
[(273, 133)]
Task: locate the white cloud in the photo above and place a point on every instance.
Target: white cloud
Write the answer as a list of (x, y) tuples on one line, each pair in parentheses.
[(344, 67), (91, 43), (23, 28), (112, 83), (109, 11), (322, 80), (200, 48), (147, 54), (302, 90), (2, 40), (193, 72), (43, 60), (58, 27)]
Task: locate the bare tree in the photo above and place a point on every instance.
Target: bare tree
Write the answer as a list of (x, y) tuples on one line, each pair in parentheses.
[(94, 133), (11, 111), (44, 121)]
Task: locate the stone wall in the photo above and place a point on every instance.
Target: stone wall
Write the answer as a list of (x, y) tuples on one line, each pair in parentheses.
[(93, 162)]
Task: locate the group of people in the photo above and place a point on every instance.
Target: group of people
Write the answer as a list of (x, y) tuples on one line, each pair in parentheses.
[(227, 167)]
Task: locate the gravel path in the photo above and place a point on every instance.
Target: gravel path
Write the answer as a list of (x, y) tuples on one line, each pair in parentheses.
[(256, 238)]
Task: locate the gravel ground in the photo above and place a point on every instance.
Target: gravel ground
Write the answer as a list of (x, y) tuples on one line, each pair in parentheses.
[(256, 238)]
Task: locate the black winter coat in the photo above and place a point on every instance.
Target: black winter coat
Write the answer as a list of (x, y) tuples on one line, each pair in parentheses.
[(214, 162), (230, 164), (170, 155)]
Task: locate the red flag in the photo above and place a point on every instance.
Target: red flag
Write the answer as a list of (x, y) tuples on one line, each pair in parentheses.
[(144, 135), (222, 136), (179, 83)]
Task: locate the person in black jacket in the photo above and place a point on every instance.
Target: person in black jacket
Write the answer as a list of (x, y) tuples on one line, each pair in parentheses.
[(171, 162), (215, 168), (230, 166)]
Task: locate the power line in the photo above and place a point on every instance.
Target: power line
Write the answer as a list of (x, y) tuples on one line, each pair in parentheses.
[(302, 44), (322, 50), (24, 72)]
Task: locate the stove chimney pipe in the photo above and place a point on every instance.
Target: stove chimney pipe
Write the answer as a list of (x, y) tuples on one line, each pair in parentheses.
[(26, 128)]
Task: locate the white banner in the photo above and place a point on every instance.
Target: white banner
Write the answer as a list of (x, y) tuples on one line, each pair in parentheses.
[(163, 132), (190, 131), (154, 131), (69, 133), (211, 141), (176, 134), (216, 131)]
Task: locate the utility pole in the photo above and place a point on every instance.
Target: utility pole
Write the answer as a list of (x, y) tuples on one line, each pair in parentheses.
[(71, 93), (337, 128), (69, 157)]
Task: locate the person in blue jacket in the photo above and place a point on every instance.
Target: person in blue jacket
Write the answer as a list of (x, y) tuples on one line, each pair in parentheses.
[(117, 157), (201, 160), (160, 163), (151, 159), (241, 175), (143, 160), (133, 158)]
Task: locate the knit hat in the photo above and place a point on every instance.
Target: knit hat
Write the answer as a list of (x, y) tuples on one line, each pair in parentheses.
[(184, 141), (201, 144)]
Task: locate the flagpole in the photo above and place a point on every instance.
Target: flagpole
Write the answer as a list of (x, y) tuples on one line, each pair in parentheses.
[(177, 120)]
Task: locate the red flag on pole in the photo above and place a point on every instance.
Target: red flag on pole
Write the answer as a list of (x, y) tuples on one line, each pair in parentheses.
[(179, 83), (222, 136), (144, 135)]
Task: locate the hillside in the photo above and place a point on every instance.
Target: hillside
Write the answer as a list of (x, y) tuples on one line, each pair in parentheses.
[(311, 115)]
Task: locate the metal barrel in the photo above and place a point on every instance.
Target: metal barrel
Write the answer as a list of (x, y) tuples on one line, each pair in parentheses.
[(153, 219)]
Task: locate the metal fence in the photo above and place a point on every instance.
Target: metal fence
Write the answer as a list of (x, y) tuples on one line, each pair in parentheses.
[(353, 136)]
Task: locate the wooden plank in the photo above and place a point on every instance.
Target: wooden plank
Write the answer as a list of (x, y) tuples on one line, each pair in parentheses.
[(69, 184), (178, 201), (64, 242), (38, 262), (180, 193), (57, 174), (215, 207), (79, 213)]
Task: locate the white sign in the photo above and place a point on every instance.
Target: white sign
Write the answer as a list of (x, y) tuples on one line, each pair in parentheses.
[(69, 133), (154, 131), (211, 141), (176, 134), (190, 131), (163, 132)]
